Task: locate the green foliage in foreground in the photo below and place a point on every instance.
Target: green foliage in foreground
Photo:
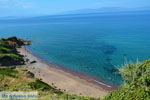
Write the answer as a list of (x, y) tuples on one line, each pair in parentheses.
[(136, 85), (128, 94)]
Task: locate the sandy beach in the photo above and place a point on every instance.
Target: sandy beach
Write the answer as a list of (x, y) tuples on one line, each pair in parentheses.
[(66, 81)]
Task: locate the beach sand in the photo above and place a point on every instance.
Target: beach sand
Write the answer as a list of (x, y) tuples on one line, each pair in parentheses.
[(67, 82)]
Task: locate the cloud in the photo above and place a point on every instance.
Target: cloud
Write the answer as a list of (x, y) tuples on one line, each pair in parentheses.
[(20, 4)]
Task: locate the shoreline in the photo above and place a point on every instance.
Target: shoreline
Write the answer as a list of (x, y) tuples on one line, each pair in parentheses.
[(106, 85), (69, 81)]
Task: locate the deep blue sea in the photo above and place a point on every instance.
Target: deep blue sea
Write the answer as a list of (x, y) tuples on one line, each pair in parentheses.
[(94, 44)]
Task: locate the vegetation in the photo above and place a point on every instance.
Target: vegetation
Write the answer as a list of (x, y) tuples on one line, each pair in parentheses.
[(8, 72), (8, 53), (136, 83), (4, 50), (10, 81), (39, 85)]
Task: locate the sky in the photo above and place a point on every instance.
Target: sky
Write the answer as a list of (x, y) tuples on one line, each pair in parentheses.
[(49, 7)]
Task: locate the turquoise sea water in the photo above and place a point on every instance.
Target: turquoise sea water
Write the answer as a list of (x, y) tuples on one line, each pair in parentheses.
[(94, 44)]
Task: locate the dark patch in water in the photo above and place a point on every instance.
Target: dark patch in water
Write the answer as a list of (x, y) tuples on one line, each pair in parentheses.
[(111, 68), (108, 59), (108, 49), (124, 55)]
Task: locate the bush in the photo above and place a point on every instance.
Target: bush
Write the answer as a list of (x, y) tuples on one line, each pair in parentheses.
[(8, 53), (8, 72), (5, 50), (10, 60), (137, 75), (136, 83)]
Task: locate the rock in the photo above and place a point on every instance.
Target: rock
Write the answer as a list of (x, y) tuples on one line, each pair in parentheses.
[(30, 74), (32, 62)]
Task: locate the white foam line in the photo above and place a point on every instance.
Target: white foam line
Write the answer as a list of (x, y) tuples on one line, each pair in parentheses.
[(102, 83)]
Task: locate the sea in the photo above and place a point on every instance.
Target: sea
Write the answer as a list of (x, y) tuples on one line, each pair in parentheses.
[(95, 44)]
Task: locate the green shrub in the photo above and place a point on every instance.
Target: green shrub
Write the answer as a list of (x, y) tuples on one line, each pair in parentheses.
[(8, 72), (6, 44), (4, 50), (8, 54), (137, 75), (14, 56), (128, 94), (11, 59), (136, 83)]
